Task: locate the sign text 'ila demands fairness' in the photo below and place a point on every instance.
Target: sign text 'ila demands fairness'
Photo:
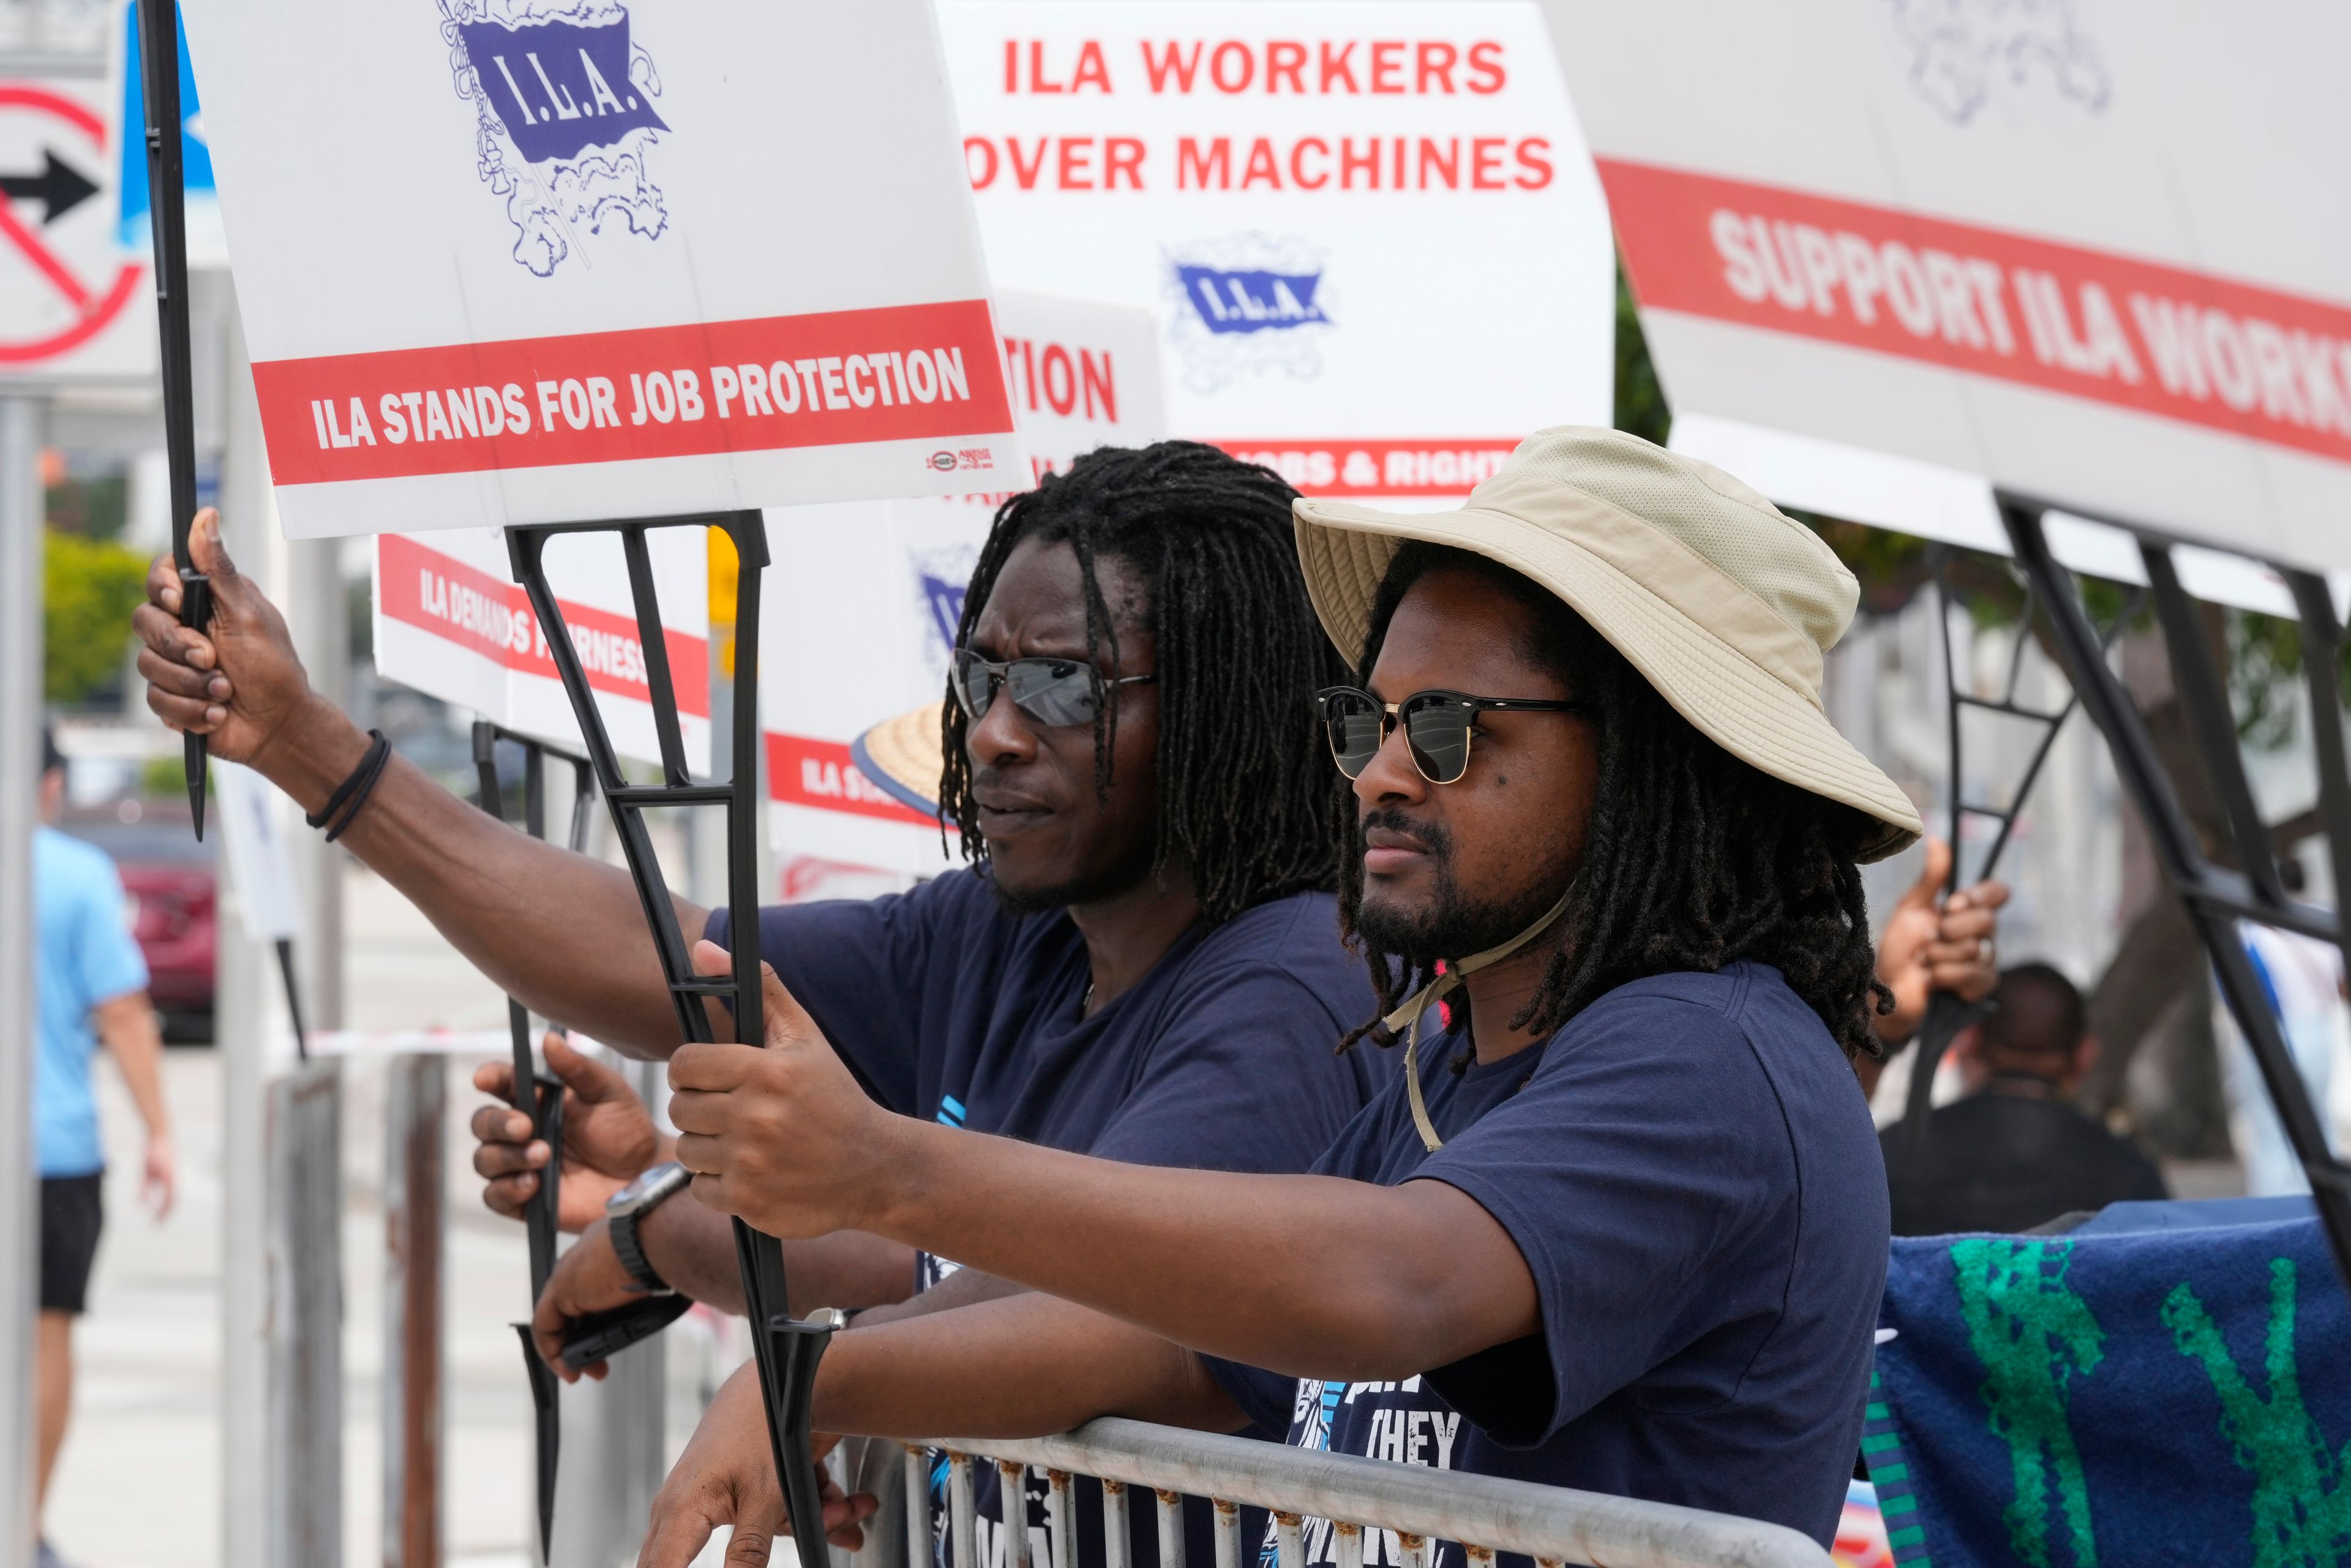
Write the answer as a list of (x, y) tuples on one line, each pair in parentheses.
[(450, 622), (582, 259)]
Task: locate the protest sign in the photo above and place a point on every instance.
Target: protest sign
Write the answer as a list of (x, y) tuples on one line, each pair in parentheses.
[(260, 860), (1371, 236), (2091, 252), (575, 260), (862, 610), (451, 622)]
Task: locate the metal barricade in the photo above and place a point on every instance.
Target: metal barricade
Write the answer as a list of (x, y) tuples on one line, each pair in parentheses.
[(1419, 1506)]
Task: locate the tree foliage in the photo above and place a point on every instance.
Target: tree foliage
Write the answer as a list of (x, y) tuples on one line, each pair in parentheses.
[(88, 589), (1640, 400)]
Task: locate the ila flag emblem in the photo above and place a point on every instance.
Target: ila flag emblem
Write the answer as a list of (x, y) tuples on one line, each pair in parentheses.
[(565, 113)]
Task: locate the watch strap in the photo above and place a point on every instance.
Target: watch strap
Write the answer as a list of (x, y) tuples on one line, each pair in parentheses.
[(623, 1230)]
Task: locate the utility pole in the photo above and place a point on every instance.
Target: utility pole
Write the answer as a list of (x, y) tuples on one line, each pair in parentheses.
[(282, 1180), (241, 1009), (317, 615), (23, 419)]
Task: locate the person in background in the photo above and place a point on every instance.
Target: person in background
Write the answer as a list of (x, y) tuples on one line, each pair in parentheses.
[(1932, 943), (2014, 1152), (2302, 978), (89, 974)]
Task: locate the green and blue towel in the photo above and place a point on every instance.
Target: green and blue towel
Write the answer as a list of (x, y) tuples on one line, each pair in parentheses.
[(2149, 1389)]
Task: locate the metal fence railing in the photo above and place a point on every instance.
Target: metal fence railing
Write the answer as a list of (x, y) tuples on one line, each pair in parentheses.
[(1419, 1506)]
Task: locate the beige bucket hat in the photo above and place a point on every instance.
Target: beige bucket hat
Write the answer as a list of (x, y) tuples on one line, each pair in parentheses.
[(1722, 601), (903, 755)]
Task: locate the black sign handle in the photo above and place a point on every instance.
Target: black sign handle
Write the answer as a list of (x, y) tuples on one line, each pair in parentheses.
[(159, 70)]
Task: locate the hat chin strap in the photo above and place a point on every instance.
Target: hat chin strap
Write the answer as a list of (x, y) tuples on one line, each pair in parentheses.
[(1408, 1016)]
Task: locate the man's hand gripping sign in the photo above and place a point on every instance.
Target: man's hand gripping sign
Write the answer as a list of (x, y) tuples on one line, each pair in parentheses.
[(781, 1137)]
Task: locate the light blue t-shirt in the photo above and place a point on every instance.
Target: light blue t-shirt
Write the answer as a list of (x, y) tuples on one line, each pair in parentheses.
[(88, 956)]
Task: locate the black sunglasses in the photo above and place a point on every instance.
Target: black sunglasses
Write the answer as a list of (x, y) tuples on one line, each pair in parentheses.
[(1054, 692), (1438, 726)]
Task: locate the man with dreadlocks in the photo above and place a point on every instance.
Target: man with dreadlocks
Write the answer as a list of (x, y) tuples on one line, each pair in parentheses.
[(1620, 1224), (1144, 964)]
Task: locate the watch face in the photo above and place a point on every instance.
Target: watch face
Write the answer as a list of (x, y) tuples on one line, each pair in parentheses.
[(636, 1189)]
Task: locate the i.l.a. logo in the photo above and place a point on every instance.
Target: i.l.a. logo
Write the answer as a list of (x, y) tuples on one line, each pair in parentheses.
[(564, 103)]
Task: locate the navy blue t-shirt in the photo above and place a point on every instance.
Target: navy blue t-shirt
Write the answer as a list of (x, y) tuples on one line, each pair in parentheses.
[(1220, 1058), (1689, 1171)]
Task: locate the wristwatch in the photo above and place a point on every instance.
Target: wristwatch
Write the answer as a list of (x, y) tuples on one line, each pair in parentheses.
[(626, 1208)]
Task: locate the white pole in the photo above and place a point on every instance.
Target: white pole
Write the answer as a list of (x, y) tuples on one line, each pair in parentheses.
[(241, 1010), (22, 420), (319, 616)]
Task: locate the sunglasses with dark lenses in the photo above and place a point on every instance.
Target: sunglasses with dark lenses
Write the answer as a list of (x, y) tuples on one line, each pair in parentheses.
[(1438, 726), (1054, 692)]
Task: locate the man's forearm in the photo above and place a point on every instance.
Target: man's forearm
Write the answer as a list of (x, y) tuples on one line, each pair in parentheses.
[(1024, 1366), (564, 933), (694, 1250), (126, 1027), (1213, 1260), (964, 1288)]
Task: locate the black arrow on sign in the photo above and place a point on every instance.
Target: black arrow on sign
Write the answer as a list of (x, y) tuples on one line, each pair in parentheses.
[(60, 188)]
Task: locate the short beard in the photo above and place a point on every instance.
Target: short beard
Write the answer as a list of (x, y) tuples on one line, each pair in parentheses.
[(1453, 926)]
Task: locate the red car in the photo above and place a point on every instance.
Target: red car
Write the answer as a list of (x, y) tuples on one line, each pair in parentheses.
[(170, 878)]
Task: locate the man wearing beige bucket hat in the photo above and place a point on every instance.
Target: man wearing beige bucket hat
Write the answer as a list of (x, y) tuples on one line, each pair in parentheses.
[(1621, 1223)]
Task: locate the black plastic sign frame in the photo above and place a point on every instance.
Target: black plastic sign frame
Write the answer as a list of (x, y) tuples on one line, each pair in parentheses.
[(1947, 1014), (785, 1349), (2216, 897)]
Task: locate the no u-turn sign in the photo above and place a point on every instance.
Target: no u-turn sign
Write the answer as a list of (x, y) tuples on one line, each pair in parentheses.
[(73, 306)]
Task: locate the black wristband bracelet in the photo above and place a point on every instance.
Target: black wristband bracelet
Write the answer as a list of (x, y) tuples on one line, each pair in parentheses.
[(325, 814), (360, 797), (352, 792)]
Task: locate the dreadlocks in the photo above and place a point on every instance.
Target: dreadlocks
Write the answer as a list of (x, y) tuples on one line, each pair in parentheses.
[(1244, 794), (1694, 858)]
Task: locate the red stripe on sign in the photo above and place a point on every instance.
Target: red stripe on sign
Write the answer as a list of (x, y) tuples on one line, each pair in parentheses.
[(805, 771), (2185, 345), (1428, 465), (838, 379), (440, 594)]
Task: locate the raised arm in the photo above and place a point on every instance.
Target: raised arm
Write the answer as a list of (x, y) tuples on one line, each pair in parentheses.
[(1309, 1276), (563, 933)]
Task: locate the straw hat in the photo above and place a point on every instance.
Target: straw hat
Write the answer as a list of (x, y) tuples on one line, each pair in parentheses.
[(903, 755), (1723, 603)]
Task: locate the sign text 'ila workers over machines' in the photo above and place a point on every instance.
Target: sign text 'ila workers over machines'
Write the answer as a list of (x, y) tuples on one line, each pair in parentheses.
[(1371, 236)]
